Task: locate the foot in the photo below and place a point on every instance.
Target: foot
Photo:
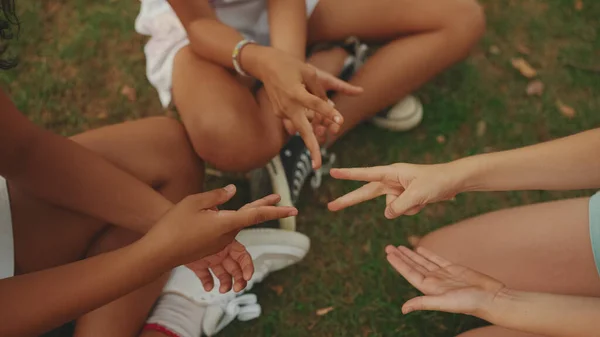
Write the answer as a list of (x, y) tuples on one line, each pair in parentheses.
[(404, 115), (271, 250), (286, 175)]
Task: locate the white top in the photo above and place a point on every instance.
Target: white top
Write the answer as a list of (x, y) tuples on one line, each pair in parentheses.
[(7, 252)]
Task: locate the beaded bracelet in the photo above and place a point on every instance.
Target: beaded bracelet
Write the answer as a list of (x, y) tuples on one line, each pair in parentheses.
[(235, 56)]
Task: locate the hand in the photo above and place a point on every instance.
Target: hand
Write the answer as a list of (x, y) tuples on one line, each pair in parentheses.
[(298, 93), (195, 229), (233, 261), (447, 287), (407, 187), (322, 125)]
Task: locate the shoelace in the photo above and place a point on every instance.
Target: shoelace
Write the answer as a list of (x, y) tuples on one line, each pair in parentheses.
[(302, 171), (242, 306)]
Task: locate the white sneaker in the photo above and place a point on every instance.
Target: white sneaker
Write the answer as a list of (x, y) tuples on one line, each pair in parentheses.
[(271, 250), (403, 116)]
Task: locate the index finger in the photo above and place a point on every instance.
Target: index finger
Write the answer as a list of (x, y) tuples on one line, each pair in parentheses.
[(319, 106), (235, 220), (363, 193), (309, 138), (376, 173)]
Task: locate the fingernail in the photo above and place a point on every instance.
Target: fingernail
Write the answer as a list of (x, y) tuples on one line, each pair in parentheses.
[(337, 119), (408, 310), (293, 212), (330, 102), (229, 188), (314, 164)]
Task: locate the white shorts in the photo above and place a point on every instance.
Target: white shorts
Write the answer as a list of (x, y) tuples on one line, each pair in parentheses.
[(7, 249), (167, 35)]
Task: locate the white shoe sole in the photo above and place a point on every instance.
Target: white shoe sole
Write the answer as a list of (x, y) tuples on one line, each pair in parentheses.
[(268, 242), (400, 125), (280, 186)]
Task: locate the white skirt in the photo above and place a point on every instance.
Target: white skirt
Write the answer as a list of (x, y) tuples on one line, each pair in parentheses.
[(167, 35)]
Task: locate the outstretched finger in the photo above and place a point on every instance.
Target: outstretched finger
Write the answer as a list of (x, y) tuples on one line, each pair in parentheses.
[(438, 260), (309, 138), (333, 83), (412, 275), (210, 199), (419, 259), (235, 220), (376, 173), (269, 200), (320, 106), (362, 194), (432, 303)]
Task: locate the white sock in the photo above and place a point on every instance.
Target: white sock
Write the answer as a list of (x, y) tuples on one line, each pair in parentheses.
[(178, 315)]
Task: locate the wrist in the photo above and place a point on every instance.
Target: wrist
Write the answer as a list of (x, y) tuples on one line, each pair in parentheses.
[(251, 57), (153, 253), (497, 307), (468, 173)]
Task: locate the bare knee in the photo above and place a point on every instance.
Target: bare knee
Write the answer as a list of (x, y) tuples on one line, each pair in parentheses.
[(179, 160), (229, 151), (466, 22)]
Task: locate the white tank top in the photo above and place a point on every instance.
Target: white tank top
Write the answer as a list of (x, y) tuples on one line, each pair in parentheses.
[(7, 253)]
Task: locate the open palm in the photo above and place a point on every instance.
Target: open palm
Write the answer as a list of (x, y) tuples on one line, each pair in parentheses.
[(447, 287)]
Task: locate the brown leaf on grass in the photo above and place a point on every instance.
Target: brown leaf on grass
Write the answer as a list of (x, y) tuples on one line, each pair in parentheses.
[(565, 110), (102, 115), (324, 311), (481, 128), (367, 247), (441, 139), (495, 50), (578, 5), (523, 67), (523, 49), (129, 92), (535, 88), (277, 289), (413, 240)]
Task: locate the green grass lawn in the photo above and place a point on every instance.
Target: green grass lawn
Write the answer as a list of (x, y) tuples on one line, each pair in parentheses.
[(77, 56)]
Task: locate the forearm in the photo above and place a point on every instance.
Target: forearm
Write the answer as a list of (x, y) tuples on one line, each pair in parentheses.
[(546, 314), (63, 173), (565, 164), (37, 302), (288, 26)]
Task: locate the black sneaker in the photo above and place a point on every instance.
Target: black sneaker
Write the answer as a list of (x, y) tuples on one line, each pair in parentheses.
[(286, 175)]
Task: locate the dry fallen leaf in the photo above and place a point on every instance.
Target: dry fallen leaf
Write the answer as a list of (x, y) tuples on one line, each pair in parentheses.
[(129, 92), (367, 247), (578, 5), (523, 49), (523, 67), (102, 115), (565, 110), (494, 50), (441, 139), (277, 289), (535, 88), (324, 311), (481, 128), (413, 240)]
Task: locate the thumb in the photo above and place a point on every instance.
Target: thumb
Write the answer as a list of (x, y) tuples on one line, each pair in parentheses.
[(210, 199), (432, 303), (401, 205)]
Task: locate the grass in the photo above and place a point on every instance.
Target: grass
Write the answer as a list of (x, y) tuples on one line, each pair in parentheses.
[(76, 56)]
